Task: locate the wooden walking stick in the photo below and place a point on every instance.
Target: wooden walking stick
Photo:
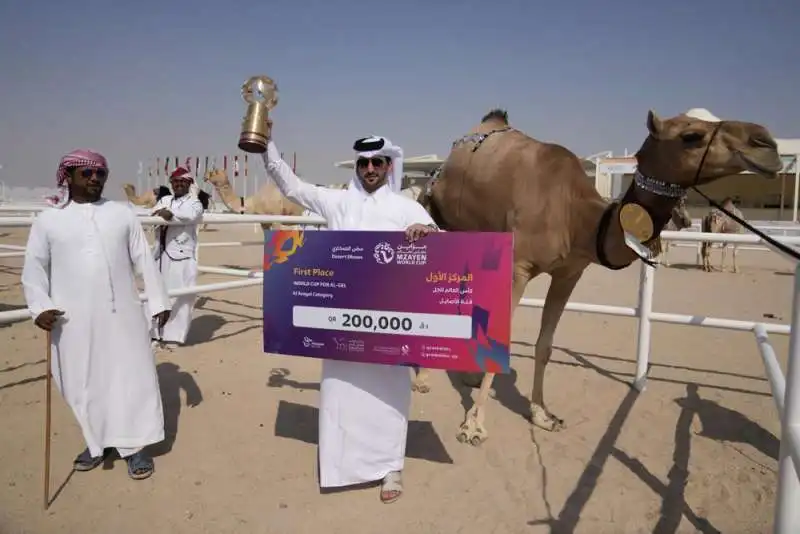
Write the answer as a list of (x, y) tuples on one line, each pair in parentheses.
[(48, 382)]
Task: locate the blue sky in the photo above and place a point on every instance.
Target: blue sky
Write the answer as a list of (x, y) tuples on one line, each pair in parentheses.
[(139, 79)]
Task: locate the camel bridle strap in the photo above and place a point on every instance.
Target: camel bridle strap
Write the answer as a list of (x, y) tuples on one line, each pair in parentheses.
[(658, 187), (478, 138)]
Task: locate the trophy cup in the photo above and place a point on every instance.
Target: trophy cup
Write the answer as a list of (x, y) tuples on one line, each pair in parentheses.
[(261, 95)]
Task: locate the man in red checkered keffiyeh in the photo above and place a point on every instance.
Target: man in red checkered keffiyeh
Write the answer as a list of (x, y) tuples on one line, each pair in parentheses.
[(88, 162), (79, 280), (175, 253)]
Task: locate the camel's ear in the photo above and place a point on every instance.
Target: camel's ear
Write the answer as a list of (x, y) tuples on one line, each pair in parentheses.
[(654, 124)]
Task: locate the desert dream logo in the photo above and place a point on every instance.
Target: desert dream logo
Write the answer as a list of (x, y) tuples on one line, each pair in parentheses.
[(410, 254), (310, 343)]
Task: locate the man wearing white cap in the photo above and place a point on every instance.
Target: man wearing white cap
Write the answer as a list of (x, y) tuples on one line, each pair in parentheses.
[(363, 411), (176, 253)]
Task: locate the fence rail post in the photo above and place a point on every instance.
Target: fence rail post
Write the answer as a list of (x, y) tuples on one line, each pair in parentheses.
[(787, 508), (644, 307)]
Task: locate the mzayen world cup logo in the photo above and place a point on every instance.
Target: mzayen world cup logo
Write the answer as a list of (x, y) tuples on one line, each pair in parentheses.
[(283, 244), (383, 253)]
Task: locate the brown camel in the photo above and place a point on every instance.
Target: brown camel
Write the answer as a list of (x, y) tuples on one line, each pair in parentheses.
[(680, 220), (497, 178), (145, 200), (717, 222), (267, 201)]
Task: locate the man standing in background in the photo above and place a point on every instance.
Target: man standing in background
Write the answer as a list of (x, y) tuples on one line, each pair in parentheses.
[(175, 253)]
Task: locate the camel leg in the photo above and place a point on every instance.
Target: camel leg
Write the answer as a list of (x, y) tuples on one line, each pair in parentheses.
[(734, 248), (420, 381), (665, 261), (722, 259), (472, 430), (558, 294), (705, 252)]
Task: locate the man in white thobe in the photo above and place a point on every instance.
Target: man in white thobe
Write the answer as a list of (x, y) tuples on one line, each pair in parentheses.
[(175, 253), (79, 283), (363, 413)]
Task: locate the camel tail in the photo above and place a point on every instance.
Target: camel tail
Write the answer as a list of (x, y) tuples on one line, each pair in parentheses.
[(496, 114)]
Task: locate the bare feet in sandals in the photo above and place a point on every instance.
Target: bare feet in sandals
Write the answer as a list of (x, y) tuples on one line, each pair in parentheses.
[(140, 465), (391, 487)]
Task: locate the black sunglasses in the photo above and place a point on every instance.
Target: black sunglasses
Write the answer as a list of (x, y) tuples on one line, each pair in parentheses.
[(377, 162), (100, 173)]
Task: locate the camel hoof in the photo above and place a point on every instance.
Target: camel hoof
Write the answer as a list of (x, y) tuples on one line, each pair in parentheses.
[(542, 418), (471, 433)]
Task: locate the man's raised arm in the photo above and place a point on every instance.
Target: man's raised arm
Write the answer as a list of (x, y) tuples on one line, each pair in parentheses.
[(317, 199)]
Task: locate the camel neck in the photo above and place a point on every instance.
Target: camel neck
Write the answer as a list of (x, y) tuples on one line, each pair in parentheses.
[(228, 196), (609, 231)]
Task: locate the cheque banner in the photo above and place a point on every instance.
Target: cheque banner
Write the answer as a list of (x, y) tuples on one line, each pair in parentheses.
[(443, 302)]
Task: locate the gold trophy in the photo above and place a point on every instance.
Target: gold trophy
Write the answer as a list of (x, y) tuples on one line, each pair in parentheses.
[(261, 95)]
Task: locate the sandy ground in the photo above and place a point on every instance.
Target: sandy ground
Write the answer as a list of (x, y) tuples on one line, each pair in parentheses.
[(696, 452)]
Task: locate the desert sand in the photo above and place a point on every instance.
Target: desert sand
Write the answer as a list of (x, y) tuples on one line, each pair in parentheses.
[(695, 452)]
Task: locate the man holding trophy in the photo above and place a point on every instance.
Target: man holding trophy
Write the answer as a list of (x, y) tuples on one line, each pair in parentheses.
[(363, 412)]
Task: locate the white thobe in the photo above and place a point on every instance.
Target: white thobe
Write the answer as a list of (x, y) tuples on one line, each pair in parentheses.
[(81, 260), (175, 254), (363, 409)]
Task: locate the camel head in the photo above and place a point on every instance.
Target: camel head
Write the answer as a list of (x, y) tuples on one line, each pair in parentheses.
[(728, 203), (216, 177), (130, 190), (675, 148)]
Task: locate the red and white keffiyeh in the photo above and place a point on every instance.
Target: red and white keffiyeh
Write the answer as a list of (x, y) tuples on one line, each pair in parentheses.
[(182, 173), (76, 158)]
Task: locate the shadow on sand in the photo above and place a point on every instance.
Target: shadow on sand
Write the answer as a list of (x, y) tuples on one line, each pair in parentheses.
[(300, 422), (172, 380), (719, 423)]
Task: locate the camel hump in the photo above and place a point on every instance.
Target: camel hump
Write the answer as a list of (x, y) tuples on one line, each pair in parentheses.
[(496, 119), (496, 115)]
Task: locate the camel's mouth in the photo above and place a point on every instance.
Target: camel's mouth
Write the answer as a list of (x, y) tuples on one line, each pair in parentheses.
[(769, 166)]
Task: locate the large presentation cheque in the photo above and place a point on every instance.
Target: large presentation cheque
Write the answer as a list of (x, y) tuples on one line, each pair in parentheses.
[(443, 302)]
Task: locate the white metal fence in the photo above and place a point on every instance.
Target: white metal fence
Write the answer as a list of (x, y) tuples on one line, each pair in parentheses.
[(785, 389)]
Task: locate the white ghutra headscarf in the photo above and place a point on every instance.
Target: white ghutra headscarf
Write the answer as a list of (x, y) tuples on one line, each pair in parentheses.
[(377, 146)]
